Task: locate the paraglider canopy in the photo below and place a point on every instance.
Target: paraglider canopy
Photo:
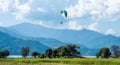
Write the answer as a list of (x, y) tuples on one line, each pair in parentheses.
[(64, 13)]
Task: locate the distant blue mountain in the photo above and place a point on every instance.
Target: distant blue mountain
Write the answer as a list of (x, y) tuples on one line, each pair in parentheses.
[(105, 41), (13, 41), (65, 35), (14, 44), (91, 39), (10, 32), (53, 43)]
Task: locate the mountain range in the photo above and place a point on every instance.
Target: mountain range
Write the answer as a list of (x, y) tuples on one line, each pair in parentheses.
[(14, 44), (88, 38), (39, 38)]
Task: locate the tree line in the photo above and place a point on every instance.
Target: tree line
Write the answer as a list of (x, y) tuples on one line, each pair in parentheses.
[(68, 51), (113, 52), (71, 51)]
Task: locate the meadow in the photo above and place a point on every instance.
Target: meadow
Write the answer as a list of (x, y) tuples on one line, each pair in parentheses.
[(46, 61)]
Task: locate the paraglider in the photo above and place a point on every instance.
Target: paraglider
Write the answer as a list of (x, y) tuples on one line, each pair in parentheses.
[(64, 13)]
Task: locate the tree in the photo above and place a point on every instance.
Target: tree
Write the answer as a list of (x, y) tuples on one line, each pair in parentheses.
[(116, 50), (73, 50), (4, 53), (104, 53), (42, 56), (48, 53), (35, 54), (68, 51), (63, 51), (55, 53), (25, 51)]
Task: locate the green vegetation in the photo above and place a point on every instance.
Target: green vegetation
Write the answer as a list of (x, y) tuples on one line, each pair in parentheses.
[(46, 61), (4, 53), (63, 55), (116, 51), (48, 53), (69, 51), (104, 53), (35, 54), (25, 51)]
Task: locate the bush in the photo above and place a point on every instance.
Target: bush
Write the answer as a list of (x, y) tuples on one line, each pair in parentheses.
[(4, 53)]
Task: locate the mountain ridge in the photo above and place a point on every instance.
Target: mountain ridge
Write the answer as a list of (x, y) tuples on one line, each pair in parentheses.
[(89, 41), (14, 44), (85, 37)]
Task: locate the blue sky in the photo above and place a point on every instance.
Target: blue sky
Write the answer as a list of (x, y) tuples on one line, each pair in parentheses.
[(98, 15)]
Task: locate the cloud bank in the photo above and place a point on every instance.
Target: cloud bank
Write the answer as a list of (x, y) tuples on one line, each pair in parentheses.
[(95, 9)]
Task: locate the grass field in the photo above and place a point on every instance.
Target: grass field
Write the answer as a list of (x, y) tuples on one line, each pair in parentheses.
[(32, 61)]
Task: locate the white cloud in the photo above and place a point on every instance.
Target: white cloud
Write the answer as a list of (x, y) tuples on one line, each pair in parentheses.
[(19, 8), (110, 31), (97, 9), (93, 26), (41, 23), (4, 5), (41, 10), (22, 9), (113, 7), (74, 25)]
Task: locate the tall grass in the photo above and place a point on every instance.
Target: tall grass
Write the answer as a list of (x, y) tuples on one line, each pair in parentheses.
[(32, 61)]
